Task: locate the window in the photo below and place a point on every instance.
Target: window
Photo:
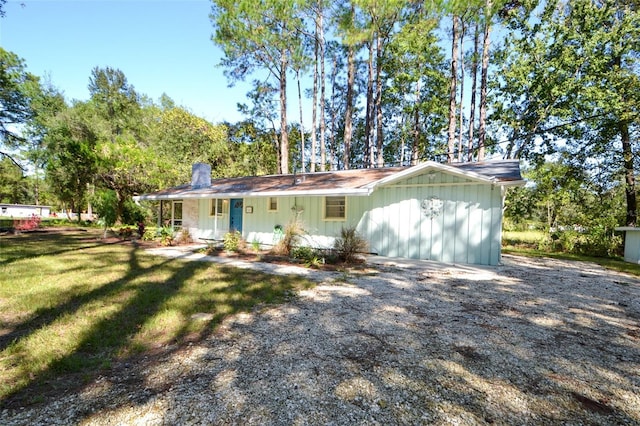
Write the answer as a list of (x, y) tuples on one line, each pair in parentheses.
[(177, 214), (171, 213), (273, 204), (216, 207), (334, 208)]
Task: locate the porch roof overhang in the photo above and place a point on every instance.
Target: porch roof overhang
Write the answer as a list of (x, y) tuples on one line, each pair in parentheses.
[(197, 194)]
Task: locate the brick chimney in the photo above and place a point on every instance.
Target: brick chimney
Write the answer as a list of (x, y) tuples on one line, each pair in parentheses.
[(200, 175)]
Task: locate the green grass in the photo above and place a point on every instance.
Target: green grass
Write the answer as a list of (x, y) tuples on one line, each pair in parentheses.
[(525, 243), (522, 237), (72, 305)]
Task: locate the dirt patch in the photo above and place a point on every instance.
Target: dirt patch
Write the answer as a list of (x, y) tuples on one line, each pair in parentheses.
[(534, 341)]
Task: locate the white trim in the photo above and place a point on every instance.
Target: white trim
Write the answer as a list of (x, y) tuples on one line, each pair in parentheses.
[(421, 168), (269, 209), (214, 202), (422, 185), (324, 209), (318, 192)]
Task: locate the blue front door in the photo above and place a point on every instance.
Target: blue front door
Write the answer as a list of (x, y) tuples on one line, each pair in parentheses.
[(235, 215)]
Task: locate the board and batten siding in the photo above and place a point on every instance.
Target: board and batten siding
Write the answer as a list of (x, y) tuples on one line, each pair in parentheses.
[(261, 223), (464, 223), (211, 227), (436, 216)]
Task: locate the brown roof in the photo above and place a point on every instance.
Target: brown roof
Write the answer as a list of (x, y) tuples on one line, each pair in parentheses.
[(342, 182)]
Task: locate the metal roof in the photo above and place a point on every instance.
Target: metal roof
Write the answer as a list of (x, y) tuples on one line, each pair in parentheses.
[(341, 182)]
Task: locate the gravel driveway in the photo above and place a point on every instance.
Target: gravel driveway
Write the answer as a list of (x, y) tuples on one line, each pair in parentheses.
[(534, 341)]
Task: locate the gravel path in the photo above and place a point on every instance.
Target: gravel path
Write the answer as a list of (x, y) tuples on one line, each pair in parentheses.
[(534, 341)]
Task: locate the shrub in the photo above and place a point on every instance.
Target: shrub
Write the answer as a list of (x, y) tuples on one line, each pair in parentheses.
[(310, 257), (166, 236), (303, 253), (105, 204), (349, 244), (292, 233), (29, 224), (232, 241), (125, 232), (184, 236), (598, 240), (150, 234)]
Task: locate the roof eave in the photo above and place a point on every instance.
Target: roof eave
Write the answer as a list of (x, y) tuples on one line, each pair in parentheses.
[(302, 193), (421, 168), (520, 182)]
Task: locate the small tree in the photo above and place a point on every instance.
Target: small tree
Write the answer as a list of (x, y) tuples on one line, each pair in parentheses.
[(105, 203)]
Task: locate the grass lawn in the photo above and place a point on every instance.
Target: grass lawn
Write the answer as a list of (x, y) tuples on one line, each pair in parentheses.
[(71, 304), (524, 243)]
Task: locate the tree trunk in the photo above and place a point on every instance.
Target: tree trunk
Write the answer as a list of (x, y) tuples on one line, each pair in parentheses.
[(301, 123), (416, 127), (314, 111), (451, 139), (370, 112), (379, 135), (474, 89), (630, 180), (323, 148), (461, 90), (348, 113), (332, 131), (284, 136), (482, 128), (36, 187)]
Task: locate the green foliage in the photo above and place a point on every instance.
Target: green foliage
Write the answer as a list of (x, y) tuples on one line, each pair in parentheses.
[(133, 213), (186, 139), (14, 186), (150, 234), (349, 244), (290, 238), (303, 253), (105, 203), (15, 83), (126, 232), (72, 161), (570, 83), (166, 235), (51, 345), (597, 241), (233, 242)]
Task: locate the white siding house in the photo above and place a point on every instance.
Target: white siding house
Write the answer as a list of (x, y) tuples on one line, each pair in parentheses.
[(22, 210), (449, 213)]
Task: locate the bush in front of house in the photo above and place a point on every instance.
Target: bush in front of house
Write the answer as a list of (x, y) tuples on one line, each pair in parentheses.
[(233, 242), (125, 232), (349, 244), (303, 253), (183, 236), (290, 238)]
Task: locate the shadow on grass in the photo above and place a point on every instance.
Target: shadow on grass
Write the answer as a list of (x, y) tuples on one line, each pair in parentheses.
[(143, 295), (27, 245), (46, 316)]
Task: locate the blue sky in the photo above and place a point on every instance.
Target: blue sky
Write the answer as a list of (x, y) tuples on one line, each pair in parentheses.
[(160, 45)]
